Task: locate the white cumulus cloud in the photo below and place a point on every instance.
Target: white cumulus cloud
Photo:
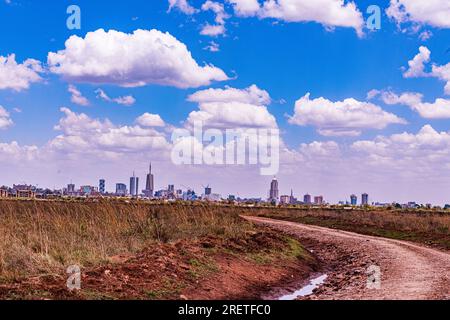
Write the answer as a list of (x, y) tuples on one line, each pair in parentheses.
[(330, 13), (435, 13), (341, 118), (219, 27), (150, 120), (77, 97), (182, 5), (443, 73), (5, 120), (141, 58), (427, 151), (252, 95), (320, 149), (417, 68), (18, 76), (14, 151), (417, 64), (439, 109), (82, 134), (245, 8), (125, 100), (232, 108)]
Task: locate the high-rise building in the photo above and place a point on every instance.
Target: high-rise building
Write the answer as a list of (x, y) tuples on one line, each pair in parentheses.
[(171, 191), (292, 199), (189, 195), (70, 188), (274, 191), (285, 200), (318, 200), (149, 184), (88, 190), (3, 192), (353, 200), (208, 191), (134, 186), (137, 186), (102, 186), (307, 199), (365, 199), (121, 189)]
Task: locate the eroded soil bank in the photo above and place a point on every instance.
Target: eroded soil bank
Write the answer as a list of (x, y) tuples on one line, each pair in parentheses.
[(207, 268)]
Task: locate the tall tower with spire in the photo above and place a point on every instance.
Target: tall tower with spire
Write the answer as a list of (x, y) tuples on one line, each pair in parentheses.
[(149, 183)]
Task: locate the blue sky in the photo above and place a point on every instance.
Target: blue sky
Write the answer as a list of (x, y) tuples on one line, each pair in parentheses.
[(286, 59)]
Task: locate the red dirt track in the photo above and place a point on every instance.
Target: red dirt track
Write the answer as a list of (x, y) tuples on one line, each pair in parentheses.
[(409, 271)]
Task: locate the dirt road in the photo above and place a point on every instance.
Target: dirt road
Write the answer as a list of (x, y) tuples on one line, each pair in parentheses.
[(408, 271)]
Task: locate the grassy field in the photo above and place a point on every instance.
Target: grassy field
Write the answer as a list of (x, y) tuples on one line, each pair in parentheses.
[(428, 227), (143, 250), (37, 237), (137, 250)]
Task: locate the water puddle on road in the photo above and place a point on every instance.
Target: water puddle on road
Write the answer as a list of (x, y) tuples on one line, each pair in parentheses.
[(306, 290)]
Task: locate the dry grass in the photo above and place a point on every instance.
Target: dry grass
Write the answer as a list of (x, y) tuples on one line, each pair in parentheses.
[(420, 226), (38, 237), (399, 220)]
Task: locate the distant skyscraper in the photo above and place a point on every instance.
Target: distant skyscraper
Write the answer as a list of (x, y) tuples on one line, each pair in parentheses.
[(285, 200), (88, 190), (121, 189), (102, 186), (365, 199), (134, 186), (318, 200), (71, 188), (274, 191), (353, 200), (171, 191), (208, 191), (292, 199), (307, 199), (149, 184)]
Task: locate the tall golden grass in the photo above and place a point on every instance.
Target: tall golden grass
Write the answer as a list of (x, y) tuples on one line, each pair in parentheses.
[(401, 220), (39, 237), (430, 227), (43, 237)]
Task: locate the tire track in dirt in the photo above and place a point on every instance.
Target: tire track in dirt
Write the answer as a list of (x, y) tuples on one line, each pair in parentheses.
[(409, 271)]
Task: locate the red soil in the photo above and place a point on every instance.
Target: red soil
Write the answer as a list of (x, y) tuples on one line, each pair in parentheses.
[(208, 268)]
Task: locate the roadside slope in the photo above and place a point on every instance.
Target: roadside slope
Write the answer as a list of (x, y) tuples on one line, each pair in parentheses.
[(409, 271), (208, 268)]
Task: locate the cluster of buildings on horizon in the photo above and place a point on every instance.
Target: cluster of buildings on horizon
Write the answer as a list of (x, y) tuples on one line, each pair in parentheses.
[(173, 194), (276, 199), (121, 191)]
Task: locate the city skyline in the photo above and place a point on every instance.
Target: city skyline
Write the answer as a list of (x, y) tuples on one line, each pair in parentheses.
[(357, 108), (183, 193)]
